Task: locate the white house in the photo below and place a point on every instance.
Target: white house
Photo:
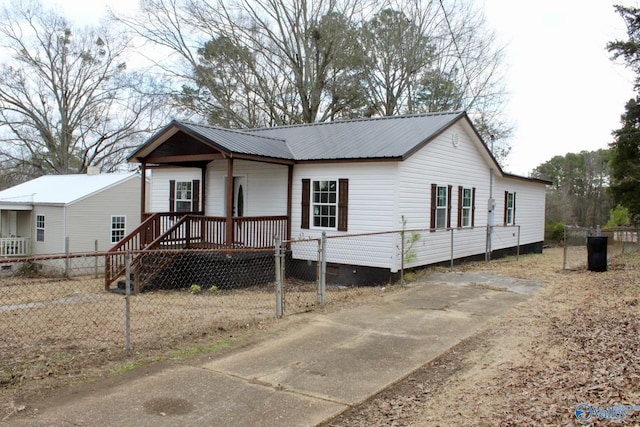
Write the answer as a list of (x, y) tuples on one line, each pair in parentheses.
[(344, 177), (39, 217)]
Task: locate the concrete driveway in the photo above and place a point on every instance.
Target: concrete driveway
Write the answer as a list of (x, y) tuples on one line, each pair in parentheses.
[(306, 374)]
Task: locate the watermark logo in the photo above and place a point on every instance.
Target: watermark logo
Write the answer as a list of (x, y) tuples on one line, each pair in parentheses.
[(585, 412)]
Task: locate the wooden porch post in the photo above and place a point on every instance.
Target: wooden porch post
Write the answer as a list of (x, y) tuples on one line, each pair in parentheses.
[(143, 189), (203, 190), (229, 207)]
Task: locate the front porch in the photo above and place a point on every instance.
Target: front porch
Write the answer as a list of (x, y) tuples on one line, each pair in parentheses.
[(172, 230), (15, 246)]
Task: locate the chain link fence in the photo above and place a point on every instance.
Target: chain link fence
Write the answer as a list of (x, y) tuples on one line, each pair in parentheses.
[(60, 314), (576, 252)]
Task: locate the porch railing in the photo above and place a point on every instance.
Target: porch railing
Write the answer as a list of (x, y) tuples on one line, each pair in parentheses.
[(189, 231), (15, 246)]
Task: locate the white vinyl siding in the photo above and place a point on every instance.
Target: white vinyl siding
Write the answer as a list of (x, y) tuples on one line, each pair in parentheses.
[(265, 193), (443, 163), (54, 232), (89, 220), (160, 197), (371, 208)]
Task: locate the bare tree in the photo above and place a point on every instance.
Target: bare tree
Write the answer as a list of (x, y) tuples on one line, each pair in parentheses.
[(67, 100), (244, 63)]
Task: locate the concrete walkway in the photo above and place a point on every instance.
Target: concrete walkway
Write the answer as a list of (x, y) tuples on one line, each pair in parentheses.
[(307, 375)]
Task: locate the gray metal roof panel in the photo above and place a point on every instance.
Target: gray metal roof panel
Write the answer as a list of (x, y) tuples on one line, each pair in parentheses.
[(385, 137), (241, 142)]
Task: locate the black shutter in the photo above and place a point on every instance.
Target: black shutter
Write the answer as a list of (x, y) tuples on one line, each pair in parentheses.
[(473, 207), (343, 204), (513, 214), (172, 195), (506, 201), (195, 195), (306, 196), (449, 193), (434, 189), (460, 198)]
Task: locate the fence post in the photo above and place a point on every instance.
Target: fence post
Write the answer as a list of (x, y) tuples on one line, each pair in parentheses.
[(279, 269), (66, 259), (564, 255), (452, 249), (518, 245), (127, 309), (322, 286), (402, 253), (95, 260)]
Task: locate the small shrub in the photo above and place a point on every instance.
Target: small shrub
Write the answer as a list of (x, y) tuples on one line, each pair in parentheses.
[(195, 289), (554, 231), (213, 288), (28, 269)]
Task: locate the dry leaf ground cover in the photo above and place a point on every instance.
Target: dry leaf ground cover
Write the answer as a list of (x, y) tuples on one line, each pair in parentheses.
[(576, 341), (56, 331)]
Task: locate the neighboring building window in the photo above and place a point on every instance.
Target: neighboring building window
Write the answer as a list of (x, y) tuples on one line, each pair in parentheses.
[(466, 207), (184, 196), (39, 228), (118, 224), (325, 203), (440, 206), (509, 208)]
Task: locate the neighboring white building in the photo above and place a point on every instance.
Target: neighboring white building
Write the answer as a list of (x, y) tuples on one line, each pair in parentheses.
[(350, 177), (40, 216)]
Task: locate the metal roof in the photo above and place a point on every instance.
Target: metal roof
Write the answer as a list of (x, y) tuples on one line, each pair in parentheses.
[(376, 138), (61, 189), (233, 141)]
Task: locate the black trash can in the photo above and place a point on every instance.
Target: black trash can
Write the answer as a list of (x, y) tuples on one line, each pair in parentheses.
[(597, 253)]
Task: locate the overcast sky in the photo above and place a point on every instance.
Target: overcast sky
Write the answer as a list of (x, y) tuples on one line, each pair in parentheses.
[(566, 95)]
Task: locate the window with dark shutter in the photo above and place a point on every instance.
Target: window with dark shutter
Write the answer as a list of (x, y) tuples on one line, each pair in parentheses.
[(432, 223), (343, 204), (449, 193), (473, 207), (306, 200), (172, 195), (196, 195)]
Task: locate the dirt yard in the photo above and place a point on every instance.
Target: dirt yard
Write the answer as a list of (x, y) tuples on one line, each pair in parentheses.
[(577, 341)]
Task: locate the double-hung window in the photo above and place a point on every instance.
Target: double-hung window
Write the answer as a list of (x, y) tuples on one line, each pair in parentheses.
[(325, 204), (184, 196), (39, 228), (466, 207), (509, 208), (118, 225), (441, 207)]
